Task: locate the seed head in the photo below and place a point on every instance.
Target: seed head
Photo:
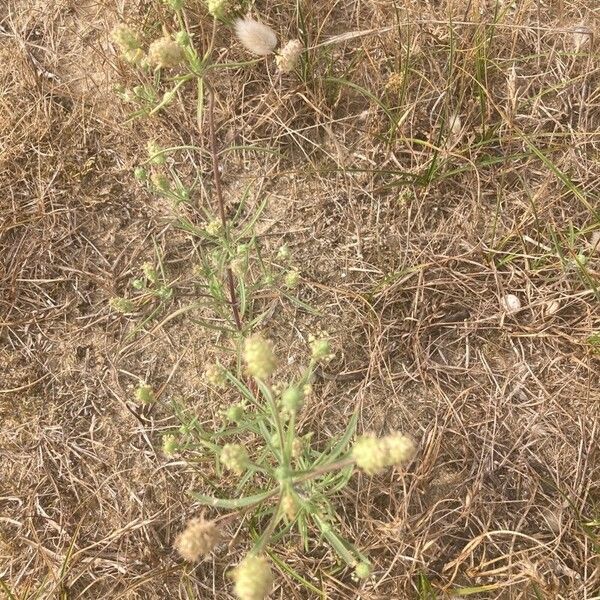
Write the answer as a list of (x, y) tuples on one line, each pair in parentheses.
[(235, 413), (399, 448), (121, 305), (259, 357), (362, 570), (214, 228), (292, 278), (150, 272), (297, 447), (284, 253), (140, 174), (134, 56), (164, 53), (370, 454), (144, 393), (253, 578), (255, 36), (288, 56), (394, 82), (320, 348), (215, 375), (198, 539), (235, 458), (218, 8), (125, 38), (292, 399), (169, 444)]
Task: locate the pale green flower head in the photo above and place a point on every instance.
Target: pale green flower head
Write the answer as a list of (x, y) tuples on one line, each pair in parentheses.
[(259, 357), (320, 348), (370, 454), (235, 458), (169, 444), (292, 399), (292, 279), (253, 578), (218, 8), (155, 153), (362, 570), (144, 393), (125, 38), (165, 53), (400, 449), (215, 375), (214, 228), (235, 413), (122, 305)]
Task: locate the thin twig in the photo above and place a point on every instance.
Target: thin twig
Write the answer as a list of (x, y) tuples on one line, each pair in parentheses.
[(219, 193)]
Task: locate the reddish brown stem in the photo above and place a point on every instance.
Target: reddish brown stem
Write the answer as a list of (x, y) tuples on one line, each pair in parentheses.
[(219, 193)]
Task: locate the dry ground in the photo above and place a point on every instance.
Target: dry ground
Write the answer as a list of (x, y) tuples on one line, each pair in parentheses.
[(407, 237)]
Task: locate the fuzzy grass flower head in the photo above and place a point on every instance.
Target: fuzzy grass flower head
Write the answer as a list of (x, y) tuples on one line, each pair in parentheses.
[(160, 181), (399, 448), (289, 506), (235, 413), (292, 278), (214, 228), (253, 578), (165, 53), (215, 375), (169, 444), (289, 55), (373, 454), (284, 253), (218, 8), (370, 454), (144, 393), (124, 37), (259, 357), (235, 458), (362, 570), (198, 539), (292, 399), (255, 36), (320, 347), (121, 305)]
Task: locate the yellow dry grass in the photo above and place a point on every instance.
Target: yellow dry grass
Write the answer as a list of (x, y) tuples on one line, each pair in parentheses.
[(435, 157)]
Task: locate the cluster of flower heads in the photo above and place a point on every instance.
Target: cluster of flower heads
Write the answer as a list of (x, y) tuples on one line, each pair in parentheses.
[(253, 578), (169, 51), (165, 52), (373, 454), (261, 40)]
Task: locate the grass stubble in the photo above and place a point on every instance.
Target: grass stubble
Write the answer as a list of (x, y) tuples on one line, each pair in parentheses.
[(425, 164)]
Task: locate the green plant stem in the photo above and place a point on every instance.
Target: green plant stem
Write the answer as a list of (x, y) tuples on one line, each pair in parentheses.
[(336, 542), (266, 534)]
